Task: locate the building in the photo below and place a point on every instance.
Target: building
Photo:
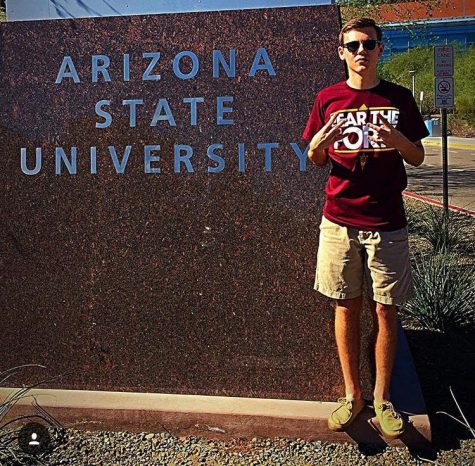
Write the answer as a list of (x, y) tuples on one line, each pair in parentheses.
[(410, 24)]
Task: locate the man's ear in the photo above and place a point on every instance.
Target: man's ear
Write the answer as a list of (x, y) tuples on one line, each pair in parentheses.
[(341, 52), (381, 49)]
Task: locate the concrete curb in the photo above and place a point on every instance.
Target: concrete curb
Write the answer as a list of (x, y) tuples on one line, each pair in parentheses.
[(208, 416), (450, 145), (428, 200)]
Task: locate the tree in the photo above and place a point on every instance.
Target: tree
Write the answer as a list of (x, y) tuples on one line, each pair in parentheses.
[(421, 60), (383, 11)]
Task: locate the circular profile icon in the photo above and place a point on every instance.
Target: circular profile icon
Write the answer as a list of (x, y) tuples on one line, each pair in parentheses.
[(34, 438)]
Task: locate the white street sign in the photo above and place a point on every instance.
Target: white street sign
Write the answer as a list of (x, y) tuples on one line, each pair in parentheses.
[(444, 92), (443, 60)]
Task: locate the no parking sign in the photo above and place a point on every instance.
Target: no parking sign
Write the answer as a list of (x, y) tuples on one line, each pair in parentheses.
[(444, 99), (443, 73), (444, 92)]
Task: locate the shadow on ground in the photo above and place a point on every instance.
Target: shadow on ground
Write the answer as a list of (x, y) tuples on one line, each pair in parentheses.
[(429, 178), (428, 182), (443, 361)]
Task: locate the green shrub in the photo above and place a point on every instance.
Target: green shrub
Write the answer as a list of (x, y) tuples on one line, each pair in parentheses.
[(466, 104), (421, 59), (444, 294)]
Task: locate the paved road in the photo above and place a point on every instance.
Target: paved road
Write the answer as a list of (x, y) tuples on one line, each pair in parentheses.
[(426, 180)]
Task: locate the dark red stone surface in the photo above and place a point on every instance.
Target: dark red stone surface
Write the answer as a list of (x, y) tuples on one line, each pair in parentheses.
[(197, 283)]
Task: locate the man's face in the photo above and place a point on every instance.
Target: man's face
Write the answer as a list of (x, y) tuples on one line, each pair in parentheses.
[(361, 61)]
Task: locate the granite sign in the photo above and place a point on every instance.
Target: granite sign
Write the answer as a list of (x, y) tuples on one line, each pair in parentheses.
[(159, 219)]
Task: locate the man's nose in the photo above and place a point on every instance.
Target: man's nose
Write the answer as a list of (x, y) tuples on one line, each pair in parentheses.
[(360, 46)]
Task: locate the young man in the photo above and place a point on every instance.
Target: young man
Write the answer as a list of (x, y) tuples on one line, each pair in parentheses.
[(367, 127)]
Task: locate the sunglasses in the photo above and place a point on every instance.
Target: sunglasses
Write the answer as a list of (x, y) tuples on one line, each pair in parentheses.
[(354, 45)]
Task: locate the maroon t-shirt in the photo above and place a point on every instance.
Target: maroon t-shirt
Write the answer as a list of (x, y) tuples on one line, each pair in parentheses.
[(366, 182)]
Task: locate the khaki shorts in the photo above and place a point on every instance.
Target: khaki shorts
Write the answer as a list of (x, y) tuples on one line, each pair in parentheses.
[(346, 255)]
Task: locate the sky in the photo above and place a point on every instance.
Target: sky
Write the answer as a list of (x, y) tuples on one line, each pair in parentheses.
[(18, 10)]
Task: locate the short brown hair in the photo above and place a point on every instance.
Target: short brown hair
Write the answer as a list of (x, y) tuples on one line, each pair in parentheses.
[(359, 23)]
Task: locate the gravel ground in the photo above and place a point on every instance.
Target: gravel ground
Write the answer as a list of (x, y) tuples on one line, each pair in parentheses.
[(83, 448)]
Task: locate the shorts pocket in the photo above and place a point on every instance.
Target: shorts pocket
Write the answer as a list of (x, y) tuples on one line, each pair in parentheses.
[(395, 236)]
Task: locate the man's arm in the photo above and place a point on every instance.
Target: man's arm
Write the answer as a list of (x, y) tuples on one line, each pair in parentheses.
[(411, 152), (318, 155), (318, 148)]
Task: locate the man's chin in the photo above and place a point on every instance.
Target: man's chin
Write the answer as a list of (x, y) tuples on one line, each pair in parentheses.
[(360, 69)]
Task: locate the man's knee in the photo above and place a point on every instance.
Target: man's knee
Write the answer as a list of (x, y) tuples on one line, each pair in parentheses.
[(385, 310), (350, 305)]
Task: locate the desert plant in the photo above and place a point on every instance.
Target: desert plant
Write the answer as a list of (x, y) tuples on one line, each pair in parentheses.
[(444, 297), (9, 449), (445, 232), (413, 214), (464, 420)]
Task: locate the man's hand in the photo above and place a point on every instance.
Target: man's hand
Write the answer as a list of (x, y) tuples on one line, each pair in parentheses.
[(387, 134), (412, 153), (317, 151)]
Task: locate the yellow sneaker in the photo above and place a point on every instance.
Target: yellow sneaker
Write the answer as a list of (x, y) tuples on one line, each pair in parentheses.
[(390, 421), (345, 413)]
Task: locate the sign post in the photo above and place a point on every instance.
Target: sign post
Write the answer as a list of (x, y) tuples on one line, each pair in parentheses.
[(444, 98)]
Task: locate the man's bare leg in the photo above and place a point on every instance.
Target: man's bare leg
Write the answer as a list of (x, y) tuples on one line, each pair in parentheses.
[(385, 321), (347, 334)]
